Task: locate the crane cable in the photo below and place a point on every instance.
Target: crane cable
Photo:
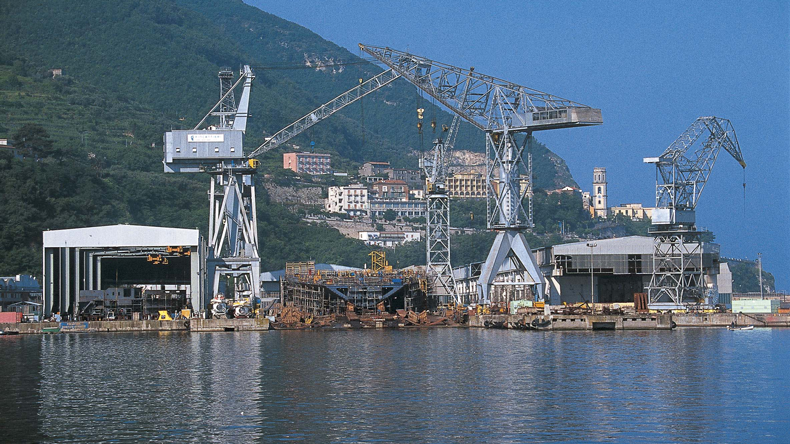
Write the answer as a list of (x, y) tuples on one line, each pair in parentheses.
[(420, 111)]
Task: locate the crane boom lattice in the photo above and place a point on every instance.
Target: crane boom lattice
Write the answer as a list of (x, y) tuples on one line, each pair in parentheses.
[(322, 112), (682, 172)]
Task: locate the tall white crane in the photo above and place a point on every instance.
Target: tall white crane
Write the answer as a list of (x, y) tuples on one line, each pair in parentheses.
[(681, 175), (504, 111), (232, 256), (219, 150)]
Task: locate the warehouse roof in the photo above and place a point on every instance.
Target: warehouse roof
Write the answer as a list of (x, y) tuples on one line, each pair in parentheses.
[(620, 245), (121, 236)]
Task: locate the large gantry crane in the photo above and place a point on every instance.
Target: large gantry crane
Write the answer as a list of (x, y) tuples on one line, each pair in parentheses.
[(681, 175), (503, 111)]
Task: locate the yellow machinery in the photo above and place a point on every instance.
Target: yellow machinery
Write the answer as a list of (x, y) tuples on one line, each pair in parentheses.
[(181, 251), (378, 261), (157, 259), (164, 316)]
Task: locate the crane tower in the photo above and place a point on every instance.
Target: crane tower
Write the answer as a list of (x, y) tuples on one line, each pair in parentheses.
[(441, 282), (218, 150), (508, 114), (681, 175)]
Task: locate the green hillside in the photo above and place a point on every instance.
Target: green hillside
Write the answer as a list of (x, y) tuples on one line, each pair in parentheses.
[(135, 69), (165, 54)]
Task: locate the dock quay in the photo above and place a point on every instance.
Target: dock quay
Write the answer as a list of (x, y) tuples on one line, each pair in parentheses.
[(558, 322), (628, 321), (191, 325), (636, 321)]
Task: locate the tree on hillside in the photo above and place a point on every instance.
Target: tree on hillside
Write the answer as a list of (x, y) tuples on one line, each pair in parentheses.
[(390, 215), (34, 138)]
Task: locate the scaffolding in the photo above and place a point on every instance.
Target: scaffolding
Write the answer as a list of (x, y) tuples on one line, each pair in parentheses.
[(325, 293)]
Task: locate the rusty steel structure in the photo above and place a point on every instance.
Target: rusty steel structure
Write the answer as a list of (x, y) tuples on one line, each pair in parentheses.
[(327, 293)]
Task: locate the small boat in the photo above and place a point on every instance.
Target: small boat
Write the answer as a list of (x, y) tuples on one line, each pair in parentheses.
[(733, 328), (51, 329), (8, 333)]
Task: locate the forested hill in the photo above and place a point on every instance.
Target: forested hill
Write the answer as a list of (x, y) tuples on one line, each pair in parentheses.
[(165, 55), (132, 70)]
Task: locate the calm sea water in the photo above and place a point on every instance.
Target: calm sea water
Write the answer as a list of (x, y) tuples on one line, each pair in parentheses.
[(433, 385)]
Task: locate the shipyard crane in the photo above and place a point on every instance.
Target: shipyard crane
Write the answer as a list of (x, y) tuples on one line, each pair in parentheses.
[(441, 282), (219, 151), (681, 175), (233, 229), (504, 111)]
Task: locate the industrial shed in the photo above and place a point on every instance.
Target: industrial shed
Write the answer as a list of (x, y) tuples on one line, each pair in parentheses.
[(95, 258), (618, 268)]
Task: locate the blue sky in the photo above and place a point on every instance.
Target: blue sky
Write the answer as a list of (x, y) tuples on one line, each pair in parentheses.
[(652, 68)]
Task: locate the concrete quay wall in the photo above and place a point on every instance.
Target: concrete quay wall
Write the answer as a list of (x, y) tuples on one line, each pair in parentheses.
[(725, 319), (645, 321), (208, 325), (195, 325)]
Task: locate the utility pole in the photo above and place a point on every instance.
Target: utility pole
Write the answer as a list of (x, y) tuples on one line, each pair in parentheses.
[(592, 275), (760, 263)]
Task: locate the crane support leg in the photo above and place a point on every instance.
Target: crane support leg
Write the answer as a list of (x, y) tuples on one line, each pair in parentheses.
[(677, 279), (441, 283), (511, 258), (233, 243)]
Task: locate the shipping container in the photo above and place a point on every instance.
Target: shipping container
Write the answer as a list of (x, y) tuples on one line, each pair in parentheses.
[(10, 317), (755, 306), (515, 305)]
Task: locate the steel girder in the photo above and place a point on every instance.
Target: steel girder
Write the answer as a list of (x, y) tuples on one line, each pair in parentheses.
[(489, 103), (233, 231), (506, 172), (677, 278), (441, 282), (510, 251), (326, 110)]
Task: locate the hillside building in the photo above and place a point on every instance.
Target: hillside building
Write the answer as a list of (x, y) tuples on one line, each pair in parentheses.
[(389, 238), (390, 190), (373, 168), (634, 211), (413, 178), (466, 185), (351, 199), (402, 208), (308, 163)]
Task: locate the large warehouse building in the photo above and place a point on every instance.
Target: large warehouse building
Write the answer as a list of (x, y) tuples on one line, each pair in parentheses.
[(97, 258), (618, 268)]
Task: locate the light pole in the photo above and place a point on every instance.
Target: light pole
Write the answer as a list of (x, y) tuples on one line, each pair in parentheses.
[(760, 262), (592, 275)]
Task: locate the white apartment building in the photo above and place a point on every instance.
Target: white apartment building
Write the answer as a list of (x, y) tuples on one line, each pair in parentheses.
[(389, 238), (351, 199)]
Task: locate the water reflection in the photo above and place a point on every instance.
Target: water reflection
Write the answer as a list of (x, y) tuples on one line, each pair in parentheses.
[(433, 385)]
